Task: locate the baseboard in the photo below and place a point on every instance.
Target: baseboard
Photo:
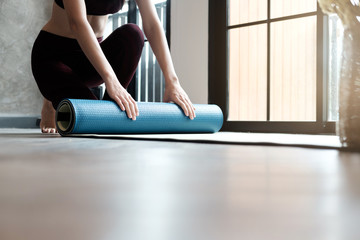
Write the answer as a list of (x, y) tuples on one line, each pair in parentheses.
[(20, 122)]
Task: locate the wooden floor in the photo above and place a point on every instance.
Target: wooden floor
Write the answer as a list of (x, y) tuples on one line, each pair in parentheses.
[(106, 189)]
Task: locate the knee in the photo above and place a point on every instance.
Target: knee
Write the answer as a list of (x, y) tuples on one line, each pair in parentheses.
[(132, 33)]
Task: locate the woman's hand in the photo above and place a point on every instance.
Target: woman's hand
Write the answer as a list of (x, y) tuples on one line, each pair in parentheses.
[(119, 94), (176, 94)]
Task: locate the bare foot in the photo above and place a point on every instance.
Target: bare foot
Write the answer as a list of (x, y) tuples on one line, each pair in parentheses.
[(47, 123)]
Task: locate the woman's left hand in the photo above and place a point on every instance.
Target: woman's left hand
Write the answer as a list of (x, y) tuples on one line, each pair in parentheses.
[(176, 94)]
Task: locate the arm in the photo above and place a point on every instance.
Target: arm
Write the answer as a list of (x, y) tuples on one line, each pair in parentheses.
[(156, 36), (80, 27)]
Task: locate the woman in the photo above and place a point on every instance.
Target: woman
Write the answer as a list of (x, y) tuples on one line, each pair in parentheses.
[(69, 57)]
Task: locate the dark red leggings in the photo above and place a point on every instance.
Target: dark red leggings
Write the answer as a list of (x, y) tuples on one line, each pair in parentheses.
[(62, 70)]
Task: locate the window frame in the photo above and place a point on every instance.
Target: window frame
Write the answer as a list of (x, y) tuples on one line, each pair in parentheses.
[(218, 71)]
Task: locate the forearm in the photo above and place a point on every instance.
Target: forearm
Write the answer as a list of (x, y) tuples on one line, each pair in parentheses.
[(156, 37), (90, 46)]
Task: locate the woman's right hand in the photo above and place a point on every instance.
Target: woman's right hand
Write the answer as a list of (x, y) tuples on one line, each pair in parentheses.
[(119, 94)]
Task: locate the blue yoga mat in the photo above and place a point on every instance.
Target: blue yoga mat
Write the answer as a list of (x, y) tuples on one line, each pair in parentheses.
[(79, 116)]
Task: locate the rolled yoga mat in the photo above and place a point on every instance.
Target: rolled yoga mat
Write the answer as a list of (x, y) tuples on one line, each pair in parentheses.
[(80, 116)]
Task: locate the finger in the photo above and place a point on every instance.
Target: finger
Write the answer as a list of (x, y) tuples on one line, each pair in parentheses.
[(193, 108), (184, 107), (136, 106), (121, 105), (137, 109), (190, 107), (192, 111), (128, 109), (132, 108)]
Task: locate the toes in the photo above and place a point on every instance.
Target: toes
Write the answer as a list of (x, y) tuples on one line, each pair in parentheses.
[(48, 130), (44, 130)]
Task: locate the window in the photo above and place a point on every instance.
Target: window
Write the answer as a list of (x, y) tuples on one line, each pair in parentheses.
[(148, 83), (266, 66)]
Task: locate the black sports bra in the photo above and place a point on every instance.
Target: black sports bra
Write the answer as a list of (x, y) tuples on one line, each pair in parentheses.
[(99, 7)]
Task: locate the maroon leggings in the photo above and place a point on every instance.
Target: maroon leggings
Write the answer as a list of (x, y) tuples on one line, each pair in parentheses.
[(62, 70)]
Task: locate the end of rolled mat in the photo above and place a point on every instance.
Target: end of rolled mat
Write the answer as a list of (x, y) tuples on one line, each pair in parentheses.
[(221, 119), (64, 117)]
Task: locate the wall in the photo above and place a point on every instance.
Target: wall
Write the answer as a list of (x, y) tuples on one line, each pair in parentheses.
[(19, 95), (189, 46)]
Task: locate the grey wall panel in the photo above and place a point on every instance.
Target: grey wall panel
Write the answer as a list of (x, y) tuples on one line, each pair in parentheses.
[(20, 22)]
